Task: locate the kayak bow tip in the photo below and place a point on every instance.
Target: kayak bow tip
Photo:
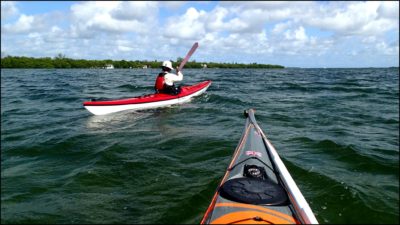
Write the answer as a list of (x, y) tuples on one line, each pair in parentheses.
[(246, 112)]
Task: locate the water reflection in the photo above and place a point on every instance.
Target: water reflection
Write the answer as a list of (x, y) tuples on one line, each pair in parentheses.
[(162, 120), (114, 121)]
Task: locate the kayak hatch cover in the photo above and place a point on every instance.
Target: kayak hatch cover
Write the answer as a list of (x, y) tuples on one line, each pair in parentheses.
[(257, 188), (146, 101)]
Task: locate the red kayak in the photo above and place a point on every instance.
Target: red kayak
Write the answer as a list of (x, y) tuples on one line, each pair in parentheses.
[(146, 101)]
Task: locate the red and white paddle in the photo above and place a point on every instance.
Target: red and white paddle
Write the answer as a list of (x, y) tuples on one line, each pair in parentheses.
[(190, 53)]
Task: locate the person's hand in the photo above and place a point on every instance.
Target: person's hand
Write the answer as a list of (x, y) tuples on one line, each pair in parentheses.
[(177, 69)]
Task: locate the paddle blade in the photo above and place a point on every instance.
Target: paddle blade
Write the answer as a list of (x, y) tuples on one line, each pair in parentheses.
[(190, 53)]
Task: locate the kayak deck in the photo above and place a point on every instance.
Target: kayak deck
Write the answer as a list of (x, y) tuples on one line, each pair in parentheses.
[(257, 188)]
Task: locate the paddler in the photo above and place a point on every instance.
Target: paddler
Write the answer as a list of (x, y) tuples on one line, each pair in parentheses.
[(165, 80)]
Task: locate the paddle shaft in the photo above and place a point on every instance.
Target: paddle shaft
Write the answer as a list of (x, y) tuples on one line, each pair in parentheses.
[(190, 53)]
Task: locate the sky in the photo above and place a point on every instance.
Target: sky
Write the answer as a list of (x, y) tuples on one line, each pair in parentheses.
[(307, 34)]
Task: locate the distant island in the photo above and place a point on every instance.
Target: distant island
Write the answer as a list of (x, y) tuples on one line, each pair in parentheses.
[(60, 61)]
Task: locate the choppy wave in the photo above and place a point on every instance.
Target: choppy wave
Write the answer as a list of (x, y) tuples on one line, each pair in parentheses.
[(335, 129)]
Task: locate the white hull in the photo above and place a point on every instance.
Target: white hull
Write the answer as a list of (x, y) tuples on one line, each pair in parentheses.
[(103, 110)]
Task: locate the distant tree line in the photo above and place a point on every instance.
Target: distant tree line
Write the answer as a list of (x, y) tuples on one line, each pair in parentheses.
[(60, 61)]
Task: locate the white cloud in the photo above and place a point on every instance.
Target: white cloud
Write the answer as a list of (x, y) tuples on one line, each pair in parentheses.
[(214, 21), (236, 45), (171, 5), (85, 10), (56, 36), (233, 31), (369, 40), (23, 24), (386, 49), (125, 45), (8, 9), (294, 41), (112, 17), (135, 10), (296, 35), (26, 24), (389, 10), (125, 48), (342, 18), (280, 27), (189, 26), (89, 16), (256, 15), (356, 18)]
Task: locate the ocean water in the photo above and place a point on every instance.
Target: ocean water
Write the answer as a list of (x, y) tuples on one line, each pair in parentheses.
[(337, 131)]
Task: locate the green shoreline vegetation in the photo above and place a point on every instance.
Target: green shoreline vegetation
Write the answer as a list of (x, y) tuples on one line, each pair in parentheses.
[(60, 61)]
